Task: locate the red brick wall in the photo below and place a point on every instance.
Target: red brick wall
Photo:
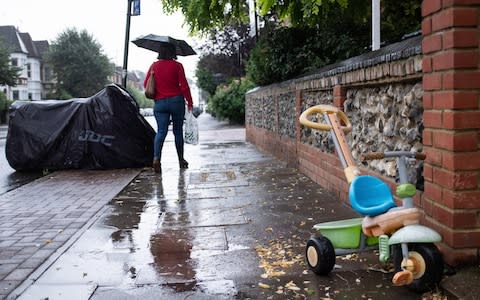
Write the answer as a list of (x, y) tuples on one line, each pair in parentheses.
[(451, 83), (281, 147)]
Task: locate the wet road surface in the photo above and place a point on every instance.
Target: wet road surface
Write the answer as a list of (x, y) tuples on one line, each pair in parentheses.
[(232, 226)]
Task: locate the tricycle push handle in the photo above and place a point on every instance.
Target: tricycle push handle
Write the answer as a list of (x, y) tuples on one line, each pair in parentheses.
[(324, 109), (381, 155)]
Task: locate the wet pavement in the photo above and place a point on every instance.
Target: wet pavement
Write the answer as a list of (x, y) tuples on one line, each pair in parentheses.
[(232, 226)]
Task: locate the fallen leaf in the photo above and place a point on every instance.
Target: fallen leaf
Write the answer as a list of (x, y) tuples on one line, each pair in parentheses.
[(292, 286), (263, 285)]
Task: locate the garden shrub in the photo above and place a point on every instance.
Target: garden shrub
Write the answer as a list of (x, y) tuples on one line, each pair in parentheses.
[(228, 103)]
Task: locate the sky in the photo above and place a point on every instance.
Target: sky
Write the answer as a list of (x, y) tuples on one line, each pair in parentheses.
[(105, 20)]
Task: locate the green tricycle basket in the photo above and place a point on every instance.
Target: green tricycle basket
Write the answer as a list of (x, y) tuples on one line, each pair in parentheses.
[(344, 234)]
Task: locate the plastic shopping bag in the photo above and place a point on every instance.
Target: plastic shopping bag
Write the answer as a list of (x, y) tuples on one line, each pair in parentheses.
[(190, 129)]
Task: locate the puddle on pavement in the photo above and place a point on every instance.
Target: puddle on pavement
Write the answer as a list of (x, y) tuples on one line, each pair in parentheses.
[(137, 215), (167, 233)]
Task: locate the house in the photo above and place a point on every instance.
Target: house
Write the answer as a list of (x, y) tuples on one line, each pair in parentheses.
[(134, 78), (36, 78)]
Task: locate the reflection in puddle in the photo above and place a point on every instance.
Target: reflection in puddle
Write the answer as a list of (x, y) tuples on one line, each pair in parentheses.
[(138, 217), (171, 250)]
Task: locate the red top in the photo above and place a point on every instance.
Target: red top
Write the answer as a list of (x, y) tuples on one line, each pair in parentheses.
[(170, 80)]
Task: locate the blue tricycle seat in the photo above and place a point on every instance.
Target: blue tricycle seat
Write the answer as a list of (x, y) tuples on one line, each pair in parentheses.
[(370, 196)]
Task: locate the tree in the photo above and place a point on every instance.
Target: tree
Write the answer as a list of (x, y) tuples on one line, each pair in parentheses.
[(8, 73), (80, 66), (398, 17), (225, 54), (284, 53), (143, 102), (229, 101), (204, 15), (328, 32)]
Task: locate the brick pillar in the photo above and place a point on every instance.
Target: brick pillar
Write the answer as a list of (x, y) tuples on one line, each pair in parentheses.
[(451, 84), (339, 96)]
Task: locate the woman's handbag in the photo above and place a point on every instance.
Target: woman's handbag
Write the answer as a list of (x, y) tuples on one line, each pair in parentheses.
[(150, 89), (190, 129)]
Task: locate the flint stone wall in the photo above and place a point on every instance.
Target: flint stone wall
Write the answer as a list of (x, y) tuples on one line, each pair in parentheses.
[(381, 95)]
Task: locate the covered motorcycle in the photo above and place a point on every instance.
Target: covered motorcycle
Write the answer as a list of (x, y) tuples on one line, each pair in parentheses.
[(104, 131)]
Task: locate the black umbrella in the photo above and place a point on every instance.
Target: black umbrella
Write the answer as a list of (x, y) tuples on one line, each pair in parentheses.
[(156, 42)]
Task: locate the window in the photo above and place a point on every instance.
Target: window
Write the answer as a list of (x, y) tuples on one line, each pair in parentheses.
[(29, 70), (15, 95), (30, 97), (14, 62)]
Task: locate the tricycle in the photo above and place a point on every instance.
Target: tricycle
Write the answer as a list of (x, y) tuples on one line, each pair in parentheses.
[(392, 229)]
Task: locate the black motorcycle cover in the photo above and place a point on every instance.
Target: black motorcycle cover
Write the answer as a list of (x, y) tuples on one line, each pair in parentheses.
[(105, 131)]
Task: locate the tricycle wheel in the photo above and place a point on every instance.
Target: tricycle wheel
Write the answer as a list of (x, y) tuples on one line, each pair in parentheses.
[(428, 265), (320, 255)]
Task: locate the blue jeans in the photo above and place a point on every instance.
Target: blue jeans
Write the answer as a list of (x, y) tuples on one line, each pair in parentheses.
[(163, 109)]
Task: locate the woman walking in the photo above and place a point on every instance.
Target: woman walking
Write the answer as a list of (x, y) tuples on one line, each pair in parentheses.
[(171, 92)]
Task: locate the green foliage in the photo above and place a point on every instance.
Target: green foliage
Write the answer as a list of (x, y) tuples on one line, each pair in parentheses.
[(285, 53), (338, 29), (397, 17), (313, 12), (3, 101), (224, 56), (139, 96), (4, 105), (400, 18), (8, 73), (204, 15), (229, 101), (205, 80), (79, 64)]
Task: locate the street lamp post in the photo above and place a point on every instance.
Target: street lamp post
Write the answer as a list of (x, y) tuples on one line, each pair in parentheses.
[(136, 12)]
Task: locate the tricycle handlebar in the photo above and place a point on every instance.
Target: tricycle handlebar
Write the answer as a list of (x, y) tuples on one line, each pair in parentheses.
[(381, 155)]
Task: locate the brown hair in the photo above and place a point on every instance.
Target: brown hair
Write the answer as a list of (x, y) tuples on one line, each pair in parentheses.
[(168, 52)]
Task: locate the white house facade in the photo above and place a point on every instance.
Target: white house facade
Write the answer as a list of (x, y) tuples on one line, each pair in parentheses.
[(35, 79)]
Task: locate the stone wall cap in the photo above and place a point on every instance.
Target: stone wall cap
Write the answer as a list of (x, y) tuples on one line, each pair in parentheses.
[(401, 50)]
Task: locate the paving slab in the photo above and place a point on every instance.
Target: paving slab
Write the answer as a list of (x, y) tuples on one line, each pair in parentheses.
[(47, 214)]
